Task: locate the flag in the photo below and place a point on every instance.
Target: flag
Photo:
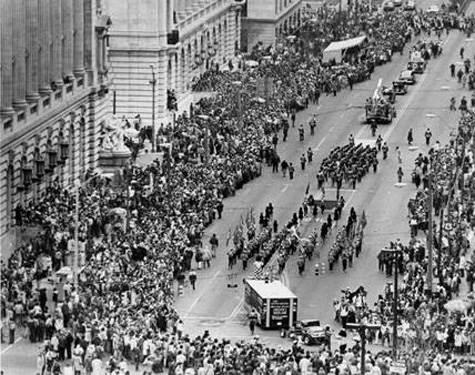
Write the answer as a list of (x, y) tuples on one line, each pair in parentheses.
[(307, 190), (253, 219), (228, 238), (363, 219), (237, 234)]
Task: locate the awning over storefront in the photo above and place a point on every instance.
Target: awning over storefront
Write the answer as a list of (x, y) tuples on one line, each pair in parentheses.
[(336, 50)]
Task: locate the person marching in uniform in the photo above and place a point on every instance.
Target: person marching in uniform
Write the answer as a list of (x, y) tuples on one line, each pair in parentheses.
[(253, 316), (309, 155), (385, 149)]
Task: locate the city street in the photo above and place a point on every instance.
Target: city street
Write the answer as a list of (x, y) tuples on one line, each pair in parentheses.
[(215, 307)]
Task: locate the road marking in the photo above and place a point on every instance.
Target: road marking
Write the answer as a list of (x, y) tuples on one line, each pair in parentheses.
[(192, 306), (403, 109), (11, 345), (285, 188), (216, 275), (342, 115), (236, 310), (320, 143)]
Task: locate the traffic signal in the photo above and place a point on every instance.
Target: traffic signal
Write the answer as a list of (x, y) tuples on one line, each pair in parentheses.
[(317, 269), (173, 37)]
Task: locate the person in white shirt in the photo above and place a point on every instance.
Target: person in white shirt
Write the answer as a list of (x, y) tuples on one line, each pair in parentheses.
[(96, 365), (304, 364)]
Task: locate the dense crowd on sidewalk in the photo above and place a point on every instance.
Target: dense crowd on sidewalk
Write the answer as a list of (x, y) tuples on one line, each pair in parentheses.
[(124, 307)]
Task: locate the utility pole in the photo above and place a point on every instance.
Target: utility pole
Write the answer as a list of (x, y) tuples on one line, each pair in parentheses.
[(240, 107), (76, 241), (361, 328), (153, 83), (430, 248), (239, 102), (128, 179), (396, 253), (439, 250), (206, 120)]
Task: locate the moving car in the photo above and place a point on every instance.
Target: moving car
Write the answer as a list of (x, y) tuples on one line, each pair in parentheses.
[(410, 5), (399, 88), (407, 76), (417, 65), (397, 3), (388, 6), (309, 330), (389, 93)]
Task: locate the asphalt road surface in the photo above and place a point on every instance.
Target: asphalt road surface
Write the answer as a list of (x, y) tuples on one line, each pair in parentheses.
[(219, 309)]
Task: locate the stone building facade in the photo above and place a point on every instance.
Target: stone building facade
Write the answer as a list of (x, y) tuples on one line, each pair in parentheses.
[(54, 96), (267, 21), (173, 41)]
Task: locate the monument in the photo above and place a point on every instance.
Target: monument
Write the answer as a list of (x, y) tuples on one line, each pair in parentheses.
[(114, 153)]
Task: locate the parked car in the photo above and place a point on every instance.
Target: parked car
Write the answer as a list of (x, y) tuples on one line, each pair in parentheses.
[(309, 330), (397, 3), (410, 5), (388, 6), (407, 76)]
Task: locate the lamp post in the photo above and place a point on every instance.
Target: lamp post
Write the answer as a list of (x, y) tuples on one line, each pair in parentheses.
[(396, 253), (206, 119), (153, 82), (76, 241), (238, 84), (361, 328), (430, 234)]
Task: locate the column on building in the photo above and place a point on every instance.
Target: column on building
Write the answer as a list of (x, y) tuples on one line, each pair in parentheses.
[(177, 66), (44, 68), (56, 39), (32, 32), (188, 64), (78, 38), (229, 34), (67, 45), (237, 28), (19, 48), (182, 58), (6, 52)]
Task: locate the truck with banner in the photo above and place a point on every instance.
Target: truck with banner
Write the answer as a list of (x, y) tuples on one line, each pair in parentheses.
[(275, 304)]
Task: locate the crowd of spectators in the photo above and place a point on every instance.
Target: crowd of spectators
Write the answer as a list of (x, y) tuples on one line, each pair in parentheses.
[(123, 309)]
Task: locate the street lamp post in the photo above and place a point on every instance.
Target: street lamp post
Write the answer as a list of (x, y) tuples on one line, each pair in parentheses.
[(206, 119), (361, 328), (238, 84), (430, 235), (153, 82), (396, 253), (76, 241)]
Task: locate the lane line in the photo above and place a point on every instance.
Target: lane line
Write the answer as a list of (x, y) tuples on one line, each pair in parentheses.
[(319, 144), (192, 306), (236, 310), (403, 109), (11, 345)]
